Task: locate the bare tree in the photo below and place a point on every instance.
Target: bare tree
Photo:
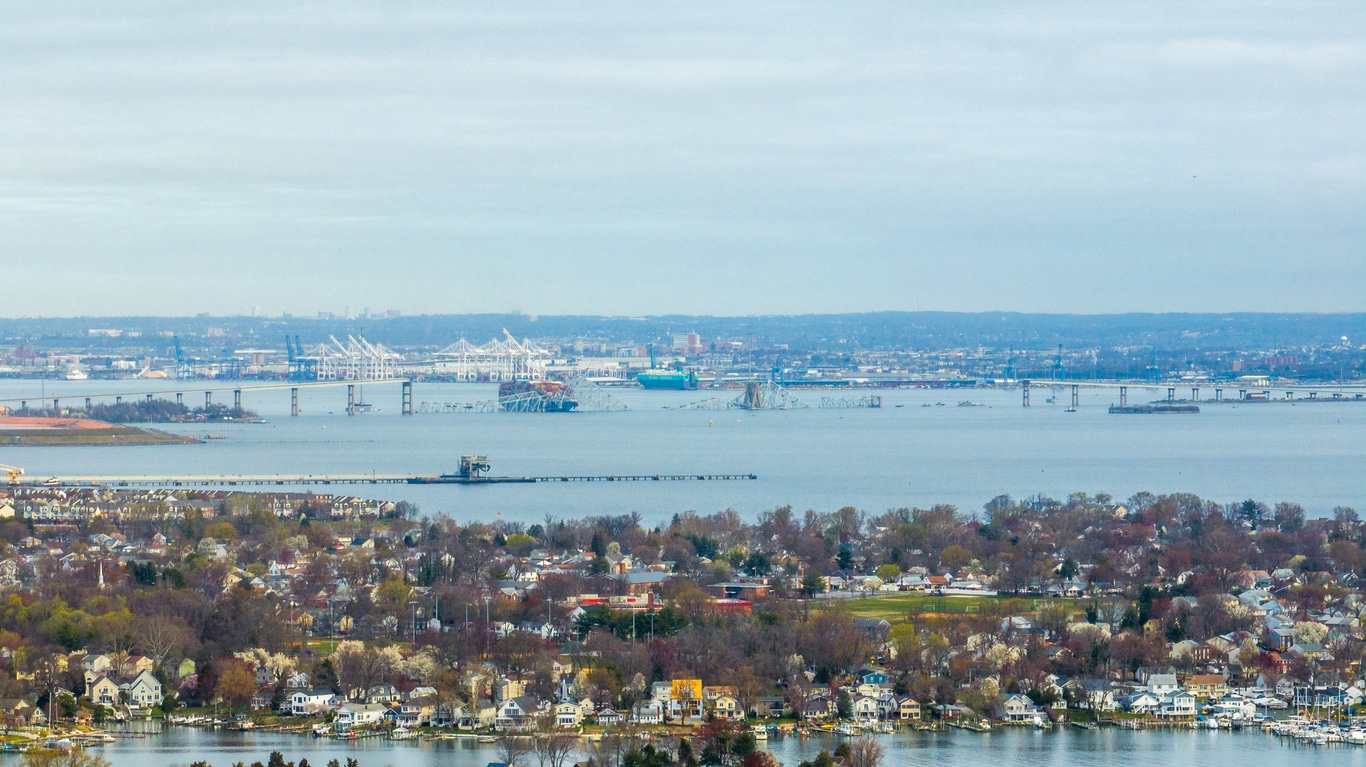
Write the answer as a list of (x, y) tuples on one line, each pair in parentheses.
[(513, 749), (551, 745), (866, 751)]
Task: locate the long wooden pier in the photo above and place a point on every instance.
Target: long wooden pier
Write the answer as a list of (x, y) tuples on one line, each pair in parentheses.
[(235, 480)]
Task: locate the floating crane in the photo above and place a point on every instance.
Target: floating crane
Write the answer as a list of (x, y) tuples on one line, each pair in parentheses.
[(13, 472)]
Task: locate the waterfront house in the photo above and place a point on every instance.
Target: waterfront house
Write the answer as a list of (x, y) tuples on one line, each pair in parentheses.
[(1177, 705), (144, 691), (1019, 708), (1162, 685), (103, 692), (727, 707), (517, 712), (609, 717), (568, 715), (1207, 686), (351, 715), (1141, 702), (416, 712), (307, 702), (865, 708), (649, 712), (907, 708)]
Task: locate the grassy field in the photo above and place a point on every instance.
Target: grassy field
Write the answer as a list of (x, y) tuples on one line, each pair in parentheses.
[(895, 608)]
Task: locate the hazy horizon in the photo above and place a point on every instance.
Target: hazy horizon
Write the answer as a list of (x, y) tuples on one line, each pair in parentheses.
[(717, 160)]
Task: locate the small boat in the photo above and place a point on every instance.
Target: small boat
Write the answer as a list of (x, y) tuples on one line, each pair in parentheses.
[(1070, 410), (486, 739), (760, 732)]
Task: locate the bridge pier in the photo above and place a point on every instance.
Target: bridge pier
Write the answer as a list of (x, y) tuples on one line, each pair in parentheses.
[(293, 400), (179, 398), (350, 399), (1076, 396), (1218, 395), (208, 399), (118, 400), (237, 399), (56, 405), (149, 398), (407, 397), (1195, 394), (1123, 396), (87, 403), (1242, 394), (1171, 393), (1024, 387)]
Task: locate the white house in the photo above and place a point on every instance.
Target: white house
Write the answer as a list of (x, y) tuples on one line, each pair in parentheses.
[(1177, 705), (144, 691), (306, 702), (647, 713), (351, 715), (1163, 685), (517, 712), (1019, 708), (1142, 702)]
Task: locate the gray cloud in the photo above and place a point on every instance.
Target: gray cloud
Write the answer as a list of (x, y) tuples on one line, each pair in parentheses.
[(721, 158)]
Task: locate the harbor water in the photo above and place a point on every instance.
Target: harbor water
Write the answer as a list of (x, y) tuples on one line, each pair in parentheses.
[(1001, 748), (918, 449)]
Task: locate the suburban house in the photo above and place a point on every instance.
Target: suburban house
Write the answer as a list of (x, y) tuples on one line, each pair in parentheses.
[(1207, 686), (144, 691), (1177, 705), (306, 702), (1019, 708), (104, 692), (609, 717), (416, 712), (352, 715), (649, 712), (1163, 685), (568, 715), (728, 708), (517, 712)]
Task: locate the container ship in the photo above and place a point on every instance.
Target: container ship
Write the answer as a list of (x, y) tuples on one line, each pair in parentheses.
[(536, 397), (675, 380)]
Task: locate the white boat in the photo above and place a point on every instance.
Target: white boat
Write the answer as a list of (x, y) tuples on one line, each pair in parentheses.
[(760, 732), (76, 374)]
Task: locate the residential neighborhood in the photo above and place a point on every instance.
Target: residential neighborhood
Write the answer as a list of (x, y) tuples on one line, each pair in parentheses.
[(1160, 611)]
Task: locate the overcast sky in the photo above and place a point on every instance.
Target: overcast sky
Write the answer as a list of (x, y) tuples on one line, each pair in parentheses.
[(645, 158)]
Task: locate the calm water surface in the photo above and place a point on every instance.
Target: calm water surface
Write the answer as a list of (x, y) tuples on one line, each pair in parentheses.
[(1107, 748), (1314, 454)]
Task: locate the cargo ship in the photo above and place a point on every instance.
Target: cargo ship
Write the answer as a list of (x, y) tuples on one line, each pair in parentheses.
[(536, 397), (675, 380)]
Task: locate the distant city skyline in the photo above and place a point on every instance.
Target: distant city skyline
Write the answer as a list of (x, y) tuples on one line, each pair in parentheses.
[(712, 159)]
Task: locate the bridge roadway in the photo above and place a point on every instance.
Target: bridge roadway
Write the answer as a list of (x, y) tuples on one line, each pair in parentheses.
[(235, 480), (236, 389), (1248, 391)]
